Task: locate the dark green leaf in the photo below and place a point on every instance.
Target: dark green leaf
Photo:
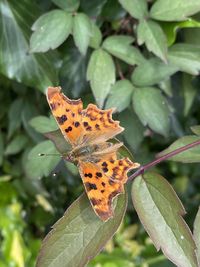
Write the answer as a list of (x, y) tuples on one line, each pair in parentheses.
[(189, 93), (101, 74), (1, 148), (197, 234), (79, 235), (151, 72), (37, 167), (92, 8), (150, 33), (73, 72), (189, 156), (161, 211), (82, 31), (170, 10), (186, 57), (120, 95), (120, 47), (68, 5), (59, 141), (14, 116), (16, 145), (43, 124), (151, 108), (50, 30), (133, 129), (136, 8), (15, 62)]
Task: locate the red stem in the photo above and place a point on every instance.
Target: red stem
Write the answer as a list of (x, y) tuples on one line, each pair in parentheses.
[(145, 167)]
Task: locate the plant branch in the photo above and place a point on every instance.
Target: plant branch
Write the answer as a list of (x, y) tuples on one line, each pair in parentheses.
[(147, 166)]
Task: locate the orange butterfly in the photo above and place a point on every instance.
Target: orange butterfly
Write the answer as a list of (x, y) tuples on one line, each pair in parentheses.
[(87, 130)]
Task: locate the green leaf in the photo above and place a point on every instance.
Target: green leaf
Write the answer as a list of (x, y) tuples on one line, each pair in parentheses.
[(101, 74), (43, 124), (189, 156), (152, 110), (160, 212), (50, 30), (171, 28), (68, 5), (136, 8), (195, 129), (1, 148), (151, 33), (15, 63), (96, 36), (120, 47), (79, 232), (133, 129), (189, 93), (92, 8), (151, 72), (186, 57), (73, 72), (59, 141), (37, 167), (16, 145), (82, 31), (174, 10), (14, 116), (197, 234), (120, 95)]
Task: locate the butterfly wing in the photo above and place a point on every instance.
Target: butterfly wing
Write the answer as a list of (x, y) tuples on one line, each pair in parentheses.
[(103, 180), (81, 127), (67, 114), (99, 125)]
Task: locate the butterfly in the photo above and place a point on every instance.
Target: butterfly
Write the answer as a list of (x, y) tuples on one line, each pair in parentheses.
[(88, 131)]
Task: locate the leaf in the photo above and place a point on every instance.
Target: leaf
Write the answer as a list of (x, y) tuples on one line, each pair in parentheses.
[(50, 30), (151, 33), (189, 93), (92, 8), (79, 235), (186, 57), (73, 71), (134, 130), (136, 8), (37, 167), (120, 95), (101, 74), (171, 28), (82, 29), (197, 234), (195, 129), (96, 37), (160, 212), (174, 10), (120, 47), (16, 145), (14, 116), (189, 156), (151, 108), (59, 141), (1, 148), (43, 124), (68, 5), (151, 72), (15, 63)]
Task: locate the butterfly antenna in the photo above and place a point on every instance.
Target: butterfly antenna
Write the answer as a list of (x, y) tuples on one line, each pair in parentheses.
[(50, 154)]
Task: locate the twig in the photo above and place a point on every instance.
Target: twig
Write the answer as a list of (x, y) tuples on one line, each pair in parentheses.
[(147, 166)]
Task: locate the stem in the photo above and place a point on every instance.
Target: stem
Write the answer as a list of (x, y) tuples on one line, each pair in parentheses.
[(145, 167)]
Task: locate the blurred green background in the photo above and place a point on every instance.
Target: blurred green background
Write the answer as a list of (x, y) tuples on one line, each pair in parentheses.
[(35, 191)]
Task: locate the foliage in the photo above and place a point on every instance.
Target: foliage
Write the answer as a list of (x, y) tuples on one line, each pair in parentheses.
[(143, 57)]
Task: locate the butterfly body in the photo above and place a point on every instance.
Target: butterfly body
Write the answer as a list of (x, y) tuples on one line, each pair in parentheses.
[(88, 131)]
